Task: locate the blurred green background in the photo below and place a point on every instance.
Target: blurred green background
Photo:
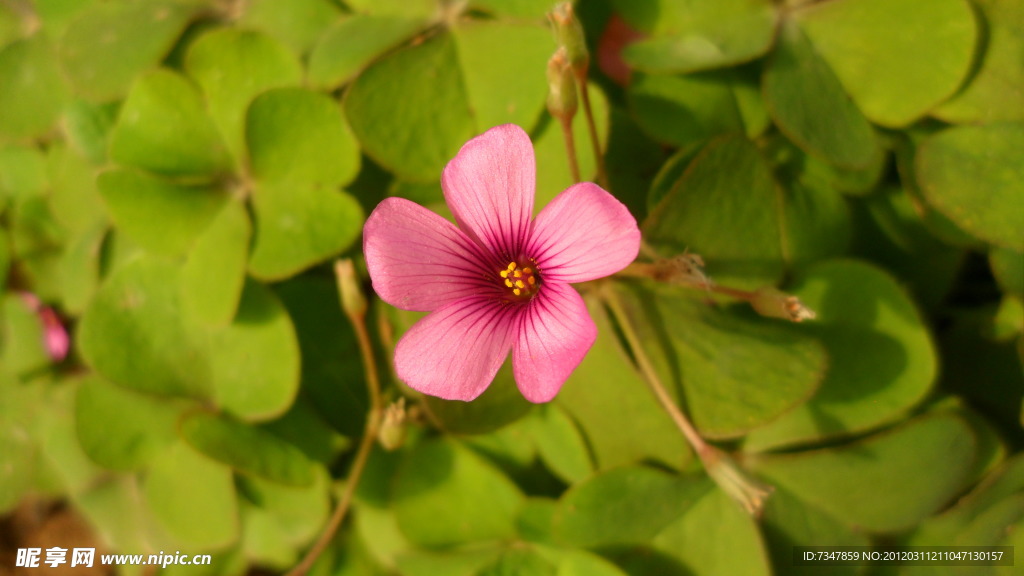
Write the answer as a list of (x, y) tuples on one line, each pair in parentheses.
[(177, 177)]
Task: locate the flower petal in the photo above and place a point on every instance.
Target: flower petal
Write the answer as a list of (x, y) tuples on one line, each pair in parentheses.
[(583, 234), (554, 334), (489, 186), (455, 352), (418, 260)]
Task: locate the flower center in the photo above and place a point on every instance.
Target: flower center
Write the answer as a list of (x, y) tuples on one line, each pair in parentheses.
[(520, 283)]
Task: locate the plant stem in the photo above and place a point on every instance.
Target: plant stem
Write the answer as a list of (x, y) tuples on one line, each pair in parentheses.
[(647, 370), (570, 148), (647, 270), (748, 492), (370, 432), (602, 173)]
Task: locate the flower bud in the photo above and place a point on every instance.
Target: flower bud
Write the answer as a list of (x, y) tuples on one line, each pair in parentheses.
[(570, 36), (353, 301), (392, 430), (562, 102), (55, 335), (771, 303)]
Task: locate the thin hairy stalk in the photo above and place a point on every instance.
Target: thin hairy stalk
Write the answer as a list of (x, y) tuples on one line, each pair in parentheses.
[(647, 370), (570, 148), (748, 492), (588, 111), (370, 433), (698, 282)]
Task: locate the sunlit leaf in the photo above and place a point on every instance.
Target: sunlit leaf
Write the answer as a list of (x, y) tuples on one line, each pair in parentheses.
[(788, 522), (214, 270), (712, 359), (233, 66), (163, 127), (881, 357), (138, 307), (34, 88), (876, 48), (299, 136), (706, 35), (298, 225), (499, 64), (725, 207), (297, 23), (73, 196), (883, 483), (198, 509), (163, 217), (109, 43), (682, 110), (22, 337), (975, 176), (123, 429), (352, 43), (411, 140), (715, 536), (254, 360), (444, 495), (626, 505), (247, 449), (561, 444), (613, 407), (995, 92), (800, 89)]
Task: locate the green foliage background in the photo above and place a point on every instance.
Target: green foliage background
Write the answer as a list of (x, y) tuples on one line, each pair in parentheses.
[(177, 175)]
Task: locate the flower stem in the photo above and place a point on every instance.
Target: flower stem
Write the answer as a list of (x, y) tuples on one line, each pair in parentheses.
[(570, 148), (370, 431), (656, 272), (647, 370), (748, 492), (588, 111), (688, 270)]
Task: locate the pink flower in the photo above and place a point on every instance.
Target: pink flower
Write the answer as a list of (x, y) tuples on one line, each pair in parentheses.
[(498, 281), (55, 336)]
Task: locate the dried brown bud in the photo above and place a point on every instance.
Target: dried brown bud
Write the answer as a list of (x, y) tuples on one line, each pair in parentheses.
[(686, 268)]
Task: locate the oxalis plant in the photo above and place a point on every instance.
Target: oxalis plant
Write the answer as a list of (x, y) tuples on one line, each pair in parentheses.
[(437, 287)]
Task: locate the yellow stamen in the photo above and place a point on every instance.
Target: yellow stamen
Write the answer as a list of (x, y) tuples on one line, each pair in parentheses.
[(522, 281)]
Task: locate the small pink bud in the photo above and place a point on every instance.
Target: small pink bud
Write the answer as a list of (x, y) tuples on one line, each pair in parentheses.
[(55, 336)]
